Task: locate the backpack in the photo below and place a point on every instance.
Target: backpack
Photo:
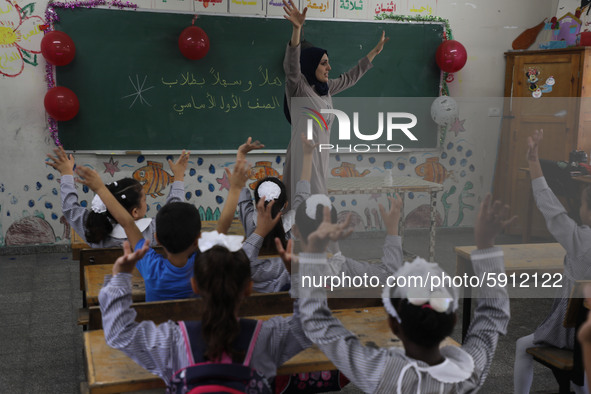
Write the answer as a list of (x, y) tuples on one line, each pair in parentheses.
[(225, 376)]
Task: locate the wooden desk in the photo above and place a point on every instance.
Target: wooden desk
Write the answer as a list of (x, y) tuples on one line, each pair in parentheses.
[(400, 185), (519, 258), (77, 243), (94, 276), (110, 371)]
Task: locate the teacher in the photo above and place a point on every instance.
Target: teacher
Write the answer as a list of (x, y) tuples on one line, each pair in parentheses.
[(306, 73)]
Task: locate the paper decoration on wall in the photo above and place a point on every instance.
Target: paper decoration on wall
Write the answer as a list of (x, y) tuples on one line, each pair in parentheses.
[(247, 7), (422, 7), (275, 7), (211, 6), (320, 8), (173, 5), (351, 9)]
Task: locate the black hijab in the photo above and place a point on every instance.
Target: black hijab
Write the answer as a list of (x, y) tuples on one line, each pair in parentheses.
[(309, 60)]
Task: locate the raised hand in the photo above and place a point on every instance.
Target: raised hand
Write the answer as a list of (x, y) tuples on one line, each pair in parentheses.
[(532, 145), (239, 175), (126, 263), (294, 15), (247, 147), (391, 217), (179, 167), (286, 254), (62, 162), (308, 146), (491, 220), (318, 240), (90, 178), (265, 220), (379, 46)]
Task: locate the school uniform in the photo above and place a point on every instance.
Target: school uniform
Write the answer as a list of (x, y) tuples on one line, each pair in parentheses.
[(383, 370), (576, 240), (161, 348), (165, 281), (76, 215), (296, 85), (268, 274)]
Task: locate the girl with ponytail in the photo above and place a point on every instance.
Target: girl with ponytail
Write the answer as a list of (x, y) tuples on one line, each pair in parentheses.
[(96, 226), (222, 279)]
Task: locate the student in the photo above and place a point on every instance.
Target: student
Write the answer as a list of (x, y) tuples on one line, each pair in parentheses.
[(306, 72), (222, 279), (584, 337), (419, 317), (97, 226), (576, 240), (179, 228)]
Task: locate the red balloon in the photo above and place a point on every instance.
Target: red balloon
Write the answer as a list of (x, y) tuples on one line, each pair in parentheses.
[(61, 103), (451, 56), (193, 43), (58, 48)]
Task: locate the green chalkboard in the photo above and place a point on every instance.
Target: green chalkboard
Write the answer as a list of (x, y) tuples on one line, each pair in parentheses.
[(137, 91)]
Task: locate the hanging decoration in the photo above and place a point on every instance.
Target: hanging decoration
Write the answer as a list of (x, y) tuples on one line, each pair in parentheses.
[(444, 110), (193, 42), (61, 103), (58, 48), (451, 56), (51, 18)]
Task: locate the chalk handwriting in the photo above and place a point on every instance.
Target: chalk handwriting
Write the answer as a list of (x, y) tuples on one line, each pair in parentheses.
[(265, 73)]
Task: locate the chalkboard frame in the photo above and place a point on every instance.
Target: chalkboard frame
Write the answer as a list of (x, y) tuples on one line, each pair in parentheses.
[(111, 151)]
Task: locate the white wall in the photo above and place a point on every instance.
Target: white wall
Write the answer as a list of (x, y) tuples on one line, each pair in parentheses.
[(29, 202)]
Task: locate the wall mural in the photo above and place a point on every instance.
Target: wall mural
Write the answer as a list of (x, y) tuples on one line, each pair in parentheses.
[(207, 185), (20, 37)]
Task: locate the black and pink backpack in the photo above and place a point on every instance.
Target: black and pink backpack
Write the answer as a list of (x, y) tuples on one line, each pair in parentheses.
[(226, 376)]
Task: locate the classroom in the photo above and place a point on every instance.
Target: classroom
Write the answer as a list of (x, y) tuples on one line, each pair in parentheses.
[(136, 111)]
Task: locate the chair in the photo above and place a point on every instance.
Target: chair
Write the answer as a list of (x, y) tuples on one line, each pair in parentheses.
[(566, 365)]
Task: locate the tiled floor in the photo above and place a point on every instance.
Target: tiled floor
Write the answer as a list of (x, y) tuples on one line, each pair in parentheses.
[(41, 345)]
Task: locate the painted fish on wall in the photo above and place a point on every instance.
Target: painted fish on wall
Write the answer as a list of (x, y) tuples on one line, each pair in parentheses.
[(153, 178), (433, 171), (347, 170), (261, 170)]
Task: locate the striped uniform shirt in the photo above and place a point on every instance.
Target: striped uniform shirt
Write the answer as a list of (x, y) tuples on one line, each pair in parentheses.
[(383, 370), (161, 349), (269, 274), (76, 215), (576, 240)]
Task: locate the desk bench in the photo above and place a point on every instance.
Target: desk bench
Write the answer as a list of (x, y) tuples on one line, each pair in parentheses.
[(77, 243), (111, 371)]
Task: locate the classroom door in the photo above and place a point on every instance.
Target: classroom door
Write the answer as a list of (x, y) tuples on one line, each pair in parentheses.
[(556, 112)]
